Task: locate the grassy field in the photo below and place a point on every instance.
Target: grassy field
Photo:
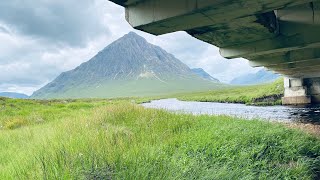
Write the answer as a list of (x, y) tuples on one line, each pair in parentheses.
[(266, 94), (137, 88), (118, 139)]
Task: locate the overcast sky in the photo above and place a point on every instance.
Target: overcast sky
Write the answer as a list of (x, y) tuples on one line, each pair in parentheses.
[(39, 39)]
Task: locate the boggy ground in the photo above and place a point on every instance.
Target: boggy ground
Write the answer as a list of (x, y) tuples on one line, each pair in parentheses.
[(118, 139)]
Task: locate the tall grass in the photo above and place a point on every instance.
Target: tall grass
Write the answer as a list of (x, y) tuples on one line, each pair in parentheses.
[(121, 140)]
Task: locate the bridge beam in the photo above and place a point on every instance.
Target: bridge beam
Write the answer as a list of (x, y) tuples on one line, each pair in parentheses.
[(295, 39), (126, 3), (290, 57), (165, 16), (310, 72), (306, 65), (298, 29)]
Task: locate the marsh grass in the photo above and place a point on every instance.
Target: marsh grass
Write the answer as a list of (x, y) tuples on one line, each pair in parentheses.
[(117, 139)]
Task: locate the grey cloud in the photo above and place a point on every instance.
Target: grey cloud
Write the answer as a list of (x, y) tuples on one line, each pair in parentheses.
[(26, 74), (39, 39), (70, 22), (3, 30), (47, 37)]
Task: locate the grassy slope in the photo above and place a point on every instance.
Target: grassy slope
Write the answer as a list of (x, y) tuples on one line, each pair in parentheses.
[(118, 139), (245, 94), (138, 88)]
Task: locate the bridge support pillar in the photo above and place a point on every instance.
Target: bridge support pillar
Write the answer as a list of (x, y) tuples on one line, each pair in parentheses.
[(295, 92), (313, 85)]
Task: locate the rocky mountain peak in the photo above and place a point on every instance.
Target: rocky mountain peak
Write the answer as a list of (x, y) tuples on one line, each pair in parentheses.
[(127, 60), (130, 40)]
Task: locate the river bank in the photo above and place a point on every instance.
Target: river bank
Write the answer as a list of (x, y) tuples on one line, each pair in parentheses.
[(259, 95), (306, 119), (292, 114)]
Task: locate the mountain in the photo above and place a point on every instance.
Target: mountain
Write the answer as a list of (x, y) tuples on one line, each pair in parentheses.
[(202, 73), (14, 95), (259, 77), (130, 66)]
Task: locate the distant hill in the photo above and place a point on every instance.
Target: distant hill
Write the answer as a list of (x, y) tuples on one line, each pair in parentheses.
[(130, 66), (14, 95), (261, 76), (202, 73)]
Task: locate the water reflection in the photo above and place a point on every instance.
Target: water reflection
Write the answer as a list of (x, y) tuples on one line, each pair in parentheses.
[(309, 114)]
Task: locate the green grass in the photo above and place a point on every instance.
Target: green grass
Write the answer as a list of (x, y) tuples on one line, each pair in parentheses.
[(117, 139), (265, 94)]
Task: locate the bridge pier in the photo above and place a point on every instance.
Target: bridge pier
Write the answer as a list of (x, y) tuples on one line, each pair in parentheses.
[(301, 91), (295, 92), (313, 87)]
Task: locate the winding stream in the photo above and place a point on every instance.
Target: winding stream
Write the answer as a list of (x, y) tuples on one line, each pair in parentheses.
[(310, 114)]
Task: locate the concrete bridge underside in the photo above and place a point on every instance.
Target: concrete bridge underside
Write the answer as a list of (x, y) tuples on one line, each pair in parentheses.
[(281, 35)]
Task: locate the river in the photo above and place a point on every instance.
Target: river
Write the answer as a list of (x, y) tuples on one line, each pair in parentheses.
[(308, 114)]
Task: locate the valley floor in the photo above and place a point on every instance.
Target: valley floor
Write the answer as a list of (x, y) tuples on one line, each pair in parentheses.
[(118, 139)]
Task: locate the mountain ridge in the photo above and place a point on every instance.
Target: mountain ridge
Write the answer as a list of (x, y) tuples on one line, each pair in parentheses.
[(262, 76), (202, 73), (14, 95)]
